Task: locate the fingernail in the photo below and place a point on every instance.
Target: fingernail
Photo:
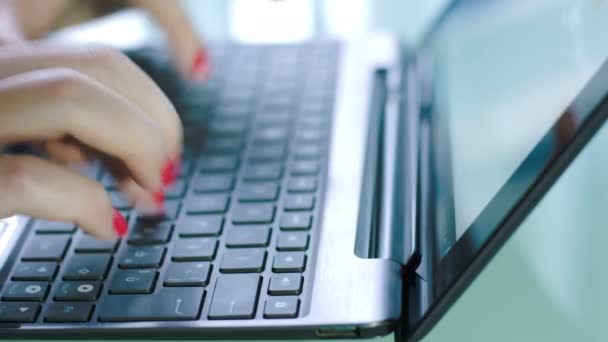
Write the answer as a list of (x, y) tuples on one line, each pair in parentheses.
[(159, 199), (168, 173), (120, 224), (200, 66)]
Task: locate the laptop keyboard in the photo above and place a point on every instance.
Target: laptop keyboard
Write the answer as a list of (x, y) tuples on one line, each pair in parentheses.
[(239, 235)]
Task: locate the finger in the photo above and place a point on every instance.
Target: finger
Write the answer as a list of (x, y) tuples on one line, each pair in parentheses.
[(144, 202), (65, 152), (35, 18), (52, 104), (189, 50), (109, 67), (39, 188)]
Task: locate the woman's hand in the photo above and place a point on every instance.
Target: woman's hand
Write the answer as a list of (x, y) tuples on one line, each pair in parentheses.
[(22, 20), (79, 103)]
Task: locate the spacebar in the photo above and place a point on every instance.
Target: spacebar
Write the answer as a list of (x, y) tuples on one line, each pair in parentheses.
[(168, 304)]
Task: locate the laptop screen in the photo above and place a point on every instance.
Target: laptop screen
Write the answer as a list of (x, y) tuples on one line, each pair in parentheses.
[(505, 71)]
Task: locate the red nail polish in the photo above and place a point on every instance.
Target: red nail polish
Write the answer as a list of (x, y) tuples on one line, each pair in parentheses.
[(168, 173), (159, 198), (200, 66), (120, 224)]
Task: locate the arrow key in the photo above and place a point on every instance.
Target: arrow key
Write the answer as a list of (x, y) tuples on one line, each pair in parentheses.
[(18, 312)]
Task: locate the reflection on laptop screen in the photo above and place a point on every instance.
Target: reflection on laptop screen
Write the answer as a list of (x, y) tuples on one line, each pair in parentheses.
[(506, 71)]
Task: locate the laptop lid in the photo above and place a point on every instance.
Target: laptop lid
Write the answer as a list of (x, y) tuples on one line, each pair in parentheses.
[(517, 90)]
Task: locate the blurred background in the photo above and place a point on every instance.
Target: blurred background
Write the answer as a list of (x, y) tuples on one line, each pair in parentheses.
[(508, 68)]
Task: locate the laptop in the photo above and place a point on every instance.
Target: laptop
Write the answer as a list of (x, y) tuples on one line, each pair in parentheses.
[(329, 190)]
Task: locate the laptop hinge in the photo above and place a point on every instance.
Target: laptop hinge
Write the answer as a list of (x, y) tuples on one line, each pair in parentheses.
[(400, 137), (388, 209)]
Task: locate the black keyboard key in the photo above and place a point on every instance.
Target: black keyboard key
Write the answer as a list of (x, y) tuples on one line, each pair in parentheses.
[(200, 225), (302, 184), (296, 202), (25, 291), (90, 244), (277, 102), (248, 236), (77, 312), (149, 233), (171, 209), (281, 307), (168, 304), (235, 296), (267, 153), (207, 204), (195, 249), (313, 121), (54, 227), (133, 281), (41, 271), (296, 221), (176, 191), (304, 168), (142, 257), (224, 145), (185, 168), (246, 260), (281, 119), (188, 274), (87, 267), (77, 291), (285, 284), (19, 312), (119, 201), (292, 241), (227, 127), (258, 192), (233, 109), (308, 151), (263, 171), (313, 108), (220, 163), (204, 183), (288, 262), (253, 213), (46, 248), (309, 136), (271, 135)]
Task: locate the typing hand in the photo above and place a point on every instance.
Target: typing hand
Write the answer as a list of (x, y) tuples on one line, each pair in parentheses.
[(79, 103)]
